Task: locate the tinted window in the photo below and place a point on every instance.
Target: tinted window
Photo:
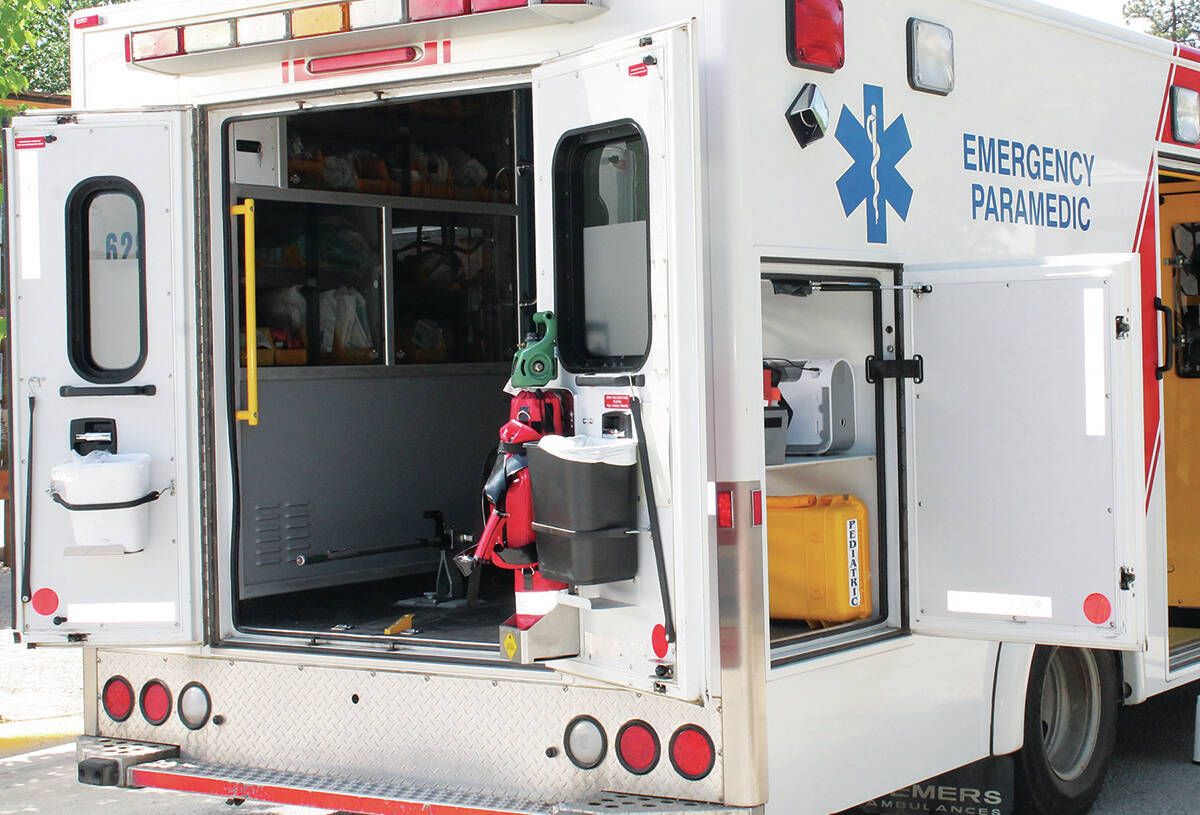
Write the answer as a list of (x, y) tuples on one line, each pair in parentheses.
[(106, 280), (603, 249)]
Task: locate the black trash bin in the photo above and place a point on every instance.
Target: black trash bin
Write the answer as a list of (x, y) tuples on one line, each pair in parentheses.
[(584, 508)]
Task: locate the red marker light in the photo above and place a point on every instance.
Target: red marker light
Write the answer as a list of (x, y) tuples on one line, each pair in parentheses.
[(724, 510), (638, 749), (155, 701), (90, 21), (816, 34), (369, 59), (756, 507), (117, 698), (692, 752)]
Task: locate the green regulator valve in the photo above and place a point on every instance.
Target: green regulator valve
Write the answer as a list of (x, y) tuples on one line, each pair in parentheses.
[(534, 365)]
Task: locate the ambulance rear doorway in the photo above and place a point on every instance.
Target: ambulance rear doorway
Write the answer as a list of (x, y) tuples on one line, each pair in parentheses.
[(392, 281)]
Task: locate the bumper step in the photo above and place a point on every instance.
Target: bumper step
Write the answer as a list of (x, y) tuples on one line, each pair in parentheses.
[(384, 798)]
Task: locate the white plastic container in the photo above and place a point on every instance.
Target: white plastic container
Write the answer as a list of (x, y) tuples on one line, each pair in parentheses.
[(106, 478), (822, 402)]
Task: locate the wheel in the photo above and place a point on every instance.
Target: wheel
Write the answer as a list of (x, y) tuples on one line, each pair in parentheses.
[(1070, 730)]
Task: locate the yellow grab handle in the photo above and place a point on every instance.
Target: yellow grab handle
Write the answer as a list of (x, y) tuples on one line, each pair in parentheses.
[(250, 415)]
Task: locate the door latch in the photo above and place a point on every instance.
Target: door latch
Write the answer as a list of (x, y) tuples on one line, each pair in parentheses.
[(913, 369), (1127, 578), (1122, 327)]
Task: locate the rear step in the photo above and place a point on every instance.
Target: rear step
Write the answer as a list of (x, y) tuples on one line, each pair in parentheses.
[(136, 765)]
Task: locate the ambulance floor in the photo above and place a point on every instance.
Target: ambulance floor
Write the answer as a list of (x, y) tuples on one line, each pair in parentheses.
[(370, 609)]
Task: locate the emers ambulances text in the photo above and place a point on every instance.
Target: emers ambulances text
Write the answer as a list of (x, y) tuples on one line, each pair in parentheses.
[(1036, 162)]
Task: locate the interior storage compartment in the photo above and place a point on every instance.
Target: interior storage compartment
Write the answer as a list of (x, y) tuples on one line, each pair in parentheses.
[(389, 290), (826, 510)]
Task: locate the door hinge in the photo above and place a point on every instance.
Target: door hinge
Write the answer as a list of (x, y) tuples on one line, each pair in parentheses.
[(913, 369), (1127, 578)]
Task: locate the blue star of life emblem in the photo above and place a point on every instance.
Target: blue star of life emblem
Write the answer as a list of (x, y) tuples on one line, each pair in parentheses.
[(873, 178)]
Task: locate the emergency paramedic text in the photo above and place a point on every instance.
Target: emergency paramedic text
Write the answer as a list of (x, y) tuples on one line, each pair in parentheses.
[(1035, 162)]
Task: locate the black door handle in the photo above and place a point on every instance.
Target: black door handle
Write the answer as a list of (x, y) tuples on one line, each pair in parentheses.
[(1168, 335)]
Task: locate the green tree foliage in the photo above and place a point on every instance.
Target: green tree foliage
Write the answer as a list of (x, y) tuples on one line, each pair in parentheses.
[(1177, 20), (43, 57), (16, 35)]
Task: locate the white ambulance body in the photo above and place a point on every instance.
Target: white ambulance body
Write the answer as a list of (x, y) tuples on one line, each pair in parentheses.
[(222, 467)]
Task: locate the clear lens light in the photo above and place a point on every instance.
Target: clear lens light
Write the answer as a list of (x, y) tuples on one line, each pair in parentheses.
[(367, 13), (931, 57), (161, 43), (194, 706), (261, 28), (1185, 104), (208, 36), (585, 743)]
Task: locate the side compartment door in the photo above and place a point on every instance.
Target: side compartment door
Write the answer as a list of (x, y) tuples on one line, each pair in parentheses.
[(100, 216), (1024, 448), (616, 163)]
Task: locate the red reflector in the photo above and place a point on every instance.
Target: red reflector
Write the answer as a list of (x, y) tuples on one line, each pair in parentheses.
[(117, 698), (155, 701), (692, 752), (725, 510), (432, 9), (44, 601), (369, 59), (87, 22), (496, 5), (637, 747), (1097, 609), (756, 507), (816, 34)]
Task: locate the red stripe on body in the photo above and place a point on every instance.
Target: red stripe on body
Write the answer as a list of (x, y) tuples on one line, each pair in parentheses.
[(291, 796)]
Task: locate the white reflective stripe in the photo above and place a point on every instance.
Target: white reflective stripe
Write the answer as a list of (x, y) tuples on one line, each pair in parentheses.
[(1094, 402), (536, 602), (121, 612), (1008, 605), (30, 247)]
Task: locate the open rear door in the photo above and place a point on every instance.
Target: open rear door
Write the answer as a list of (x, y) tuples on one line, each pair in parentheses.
[(100, 217), (616, 162), (1024, 447)]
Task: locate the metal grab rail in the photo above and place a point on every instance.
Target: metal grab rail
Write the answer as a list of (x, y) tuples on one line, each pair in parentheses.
[(250, 415)]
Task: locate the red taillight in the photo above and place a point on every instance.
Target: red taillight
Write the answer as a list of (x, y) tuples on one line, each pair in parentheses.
[(692, 752), (117, 698), (816, 34), (756, 507), (637, 747), (724, 510), (496, 5), (433, 9), (89, 21), (155, 701)]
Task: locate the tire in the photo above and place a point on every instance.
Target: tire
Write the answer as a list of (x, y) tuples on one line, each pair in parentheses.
[(1070, 730)]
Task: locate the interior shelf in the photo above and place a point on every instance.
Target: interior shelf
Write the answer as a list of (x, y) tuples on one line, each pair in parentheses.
[(794, 462), (359, 199)]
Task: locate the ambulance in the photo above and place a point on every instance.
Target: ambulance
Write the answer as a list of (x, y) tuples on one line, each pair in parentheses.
[(598, 406)]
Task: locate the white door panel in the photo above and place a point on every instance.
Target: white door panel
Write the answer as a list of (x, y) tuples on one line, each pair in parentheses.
[(110, 196), (1023, 452)]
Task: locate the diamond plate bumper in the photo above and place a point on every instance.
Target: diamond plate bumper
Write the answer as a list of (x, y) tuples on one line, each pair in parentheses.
[(387, 799)]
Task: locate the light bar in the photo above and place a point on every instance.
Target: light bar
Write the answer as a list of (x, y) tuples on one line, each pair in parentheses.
[(262, 28), (368, 59), (496, 5), (314, 21), (370, 13), (208, 36), (435, 9), (162, 42)]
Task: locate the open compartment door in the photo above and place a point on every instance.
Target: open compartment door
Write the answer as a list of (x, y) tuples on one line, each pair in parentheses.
[(1025, 453), (102, 423)]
